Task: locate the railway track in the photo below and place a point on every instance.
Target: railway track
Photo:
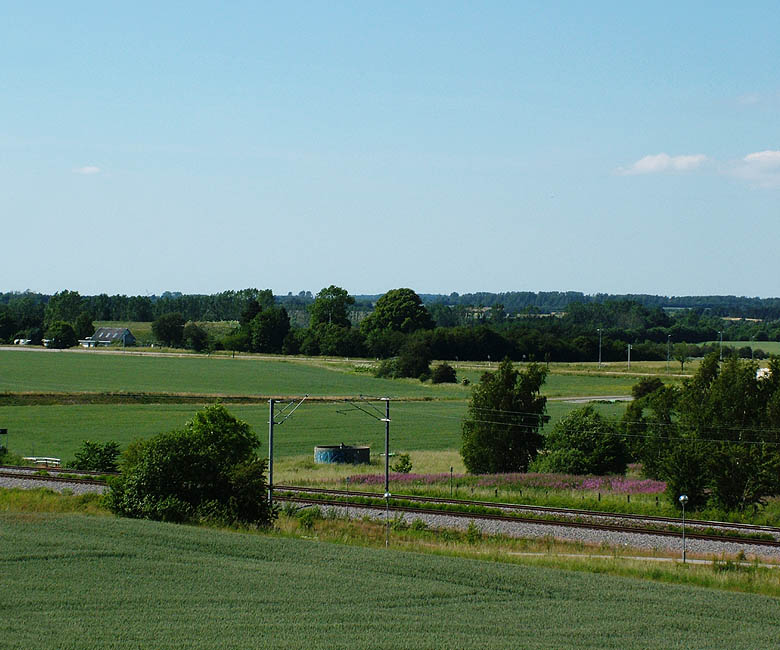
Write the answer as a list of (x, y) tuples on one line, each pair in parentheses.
[(561, 517), (512, 514), (15, 476)]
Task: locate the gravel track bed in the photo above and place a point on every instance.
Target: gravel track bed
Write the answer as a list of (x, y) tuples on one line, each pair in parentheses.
[(586, 536), (57, 486), (617, 521)]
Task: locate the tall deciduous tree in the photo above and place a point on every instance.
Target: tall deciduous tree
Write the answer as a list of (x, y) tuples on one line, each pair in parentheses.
[(63, 306), (399, 310), (169, 329), (501, 430), (331, 307), (720, 440)]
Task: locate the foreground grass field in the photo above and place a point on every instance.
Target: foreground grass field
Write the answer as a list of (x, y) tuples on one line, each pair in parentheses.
[(75, 581), (58, 430)]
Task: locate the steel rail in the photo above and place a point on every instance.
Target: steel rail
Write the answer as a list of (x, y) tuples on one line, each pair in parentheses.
[(543, 509), (24, 476), (22, 469)]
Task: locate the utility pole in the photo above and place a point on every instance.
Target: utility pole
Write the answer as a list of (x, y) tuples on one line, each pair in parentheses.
[(629, 356), (599, 331), (271, 423), (386, 420), (271, 403)]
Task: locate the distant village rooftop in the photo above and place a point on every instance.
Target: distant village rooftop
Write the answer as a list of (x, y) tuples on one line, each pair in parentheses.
[(108, 336)]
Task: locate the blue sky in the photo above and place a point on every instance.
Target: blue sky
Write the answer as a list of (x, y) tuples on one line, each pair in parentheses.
[(600, 147)]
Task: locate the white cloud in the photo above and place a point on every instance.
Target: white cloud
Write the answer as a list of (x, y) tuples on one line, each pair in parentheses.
[(87, 170), (663, 162), (751, 99), (760, 169), (766, 158)]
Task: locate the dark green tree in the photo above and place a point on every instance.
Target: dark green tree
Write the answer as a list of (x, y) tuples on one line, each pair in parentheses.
[(63, 306), (443, 373), (96, 457), (61, 335), (195, 337), (268, 329), (168, 329), (585, 442), (8, 325), (207, 471), (399, 310), (682, 353), (84, 327), (331, 307), (414, 359), (501, 430)]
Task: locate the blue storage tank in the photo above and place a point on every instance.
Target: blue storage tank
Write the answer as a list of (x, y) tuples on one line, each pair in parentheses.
[(342, 454)]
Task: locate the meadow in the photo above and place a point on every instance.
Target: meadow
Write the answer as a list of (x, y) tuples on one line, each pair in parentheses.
[(78, 581), (58, 430), (101, 371)]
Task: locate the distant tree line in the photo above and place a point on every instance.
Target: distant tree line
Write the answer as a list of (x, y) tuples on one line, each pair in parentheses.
[(398, 324)]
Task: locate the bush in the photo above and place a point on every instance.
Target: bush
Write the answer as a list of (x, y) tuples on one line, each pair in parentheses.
[(584, 442), (207, 471), (96, 457), (308, 517), (403, 465), (444, 373)]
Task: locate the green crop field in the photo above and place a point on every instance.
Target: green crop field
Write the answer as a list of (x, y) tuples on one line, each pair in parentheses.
[(77, 581), (770, 347), (44, 371), (59, 430), (30, 370)]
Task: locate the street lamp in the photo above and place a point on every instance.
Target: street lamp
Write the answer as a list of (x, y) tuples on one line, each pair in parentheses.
[(668, 351), (599, 331), (720, 346), (683, 500)]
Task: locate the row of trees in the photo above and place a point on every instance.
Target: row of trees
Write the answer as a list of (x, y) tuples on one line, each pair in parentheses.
[(716, 437), (228, 305), (399, 319)]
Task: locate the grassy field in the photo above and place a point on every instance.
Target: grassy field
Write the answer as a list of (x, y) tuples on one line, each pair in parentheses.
[(142, 330), (770, 347), (76, 581), (47, 371), (29, 370), (59, 430)]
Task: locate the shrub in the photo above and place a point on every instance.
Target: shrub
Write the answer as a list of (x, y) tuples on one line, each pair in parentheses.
[(206, 471), (473, 533), (96, 457), (403, 465), (443, 373), (584, 442), (307, 517)]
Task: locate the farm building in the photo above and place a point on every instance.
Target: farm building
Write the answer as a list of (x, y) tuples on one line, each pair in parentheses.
[(109, 336)]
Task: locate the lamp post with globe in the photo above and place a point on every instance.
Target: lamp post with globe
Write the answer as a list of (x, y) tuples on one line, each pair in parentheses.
[(683, 500)]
